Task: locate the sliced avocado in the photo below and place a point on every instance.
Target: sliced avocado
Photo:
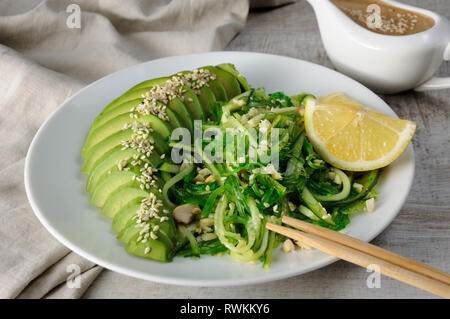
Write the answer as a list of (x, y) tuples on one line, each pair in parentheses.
[(121, 197), (193, 105), (117, 124), (228, 81), (110, 184), (125, 107), (127, 96), (174, 121), (110, 164), (100, 149), (166, 231), (149, 83), (157, 249), (160, 249), (125, 214), (130, 209), (230, 68), (207, 100), (218, 90), (180, 109)]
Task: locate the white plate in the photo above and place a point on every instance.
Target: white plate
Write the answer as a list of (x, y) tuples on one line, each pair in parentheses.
[(55, 186)]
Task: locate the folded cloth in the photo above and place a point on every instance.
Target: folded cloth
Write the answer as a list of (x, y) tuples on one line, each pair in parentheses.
[(48, 51)]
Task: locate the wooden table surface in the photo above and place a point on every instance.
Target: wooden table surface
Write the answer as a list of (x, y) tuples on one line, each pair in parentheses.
[(421, 231)]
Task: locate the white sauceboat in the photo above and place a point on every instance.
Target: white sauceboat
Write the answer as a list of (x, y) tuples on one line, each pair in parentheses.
[(385, 63)]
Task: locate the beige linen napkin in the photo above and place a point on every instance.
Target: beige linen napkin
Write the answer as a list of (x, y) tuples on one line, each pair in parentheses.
[(44, 59)]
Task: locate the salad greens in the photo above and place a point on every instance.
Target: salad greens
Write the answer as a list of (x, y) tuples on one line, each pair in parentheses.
[(237, 199)]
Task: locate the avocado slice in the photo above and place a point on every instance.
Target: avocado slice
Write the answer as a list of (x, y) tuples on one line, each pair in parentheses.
[(100, 149), (122, 218), (125, 107), (166, 231), (230, 68), (180, 109), (109, 164), (117, 124), (122, 196), (110, 184), (158, 250), (193, 105), (174, 121), (218, 90), (228, 81), (125, 214), (149, 83), (127, 96), (207, 99)]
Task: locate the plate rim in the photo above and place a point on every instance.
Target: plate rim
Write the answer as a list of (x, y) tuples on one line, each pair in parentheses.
[(182, 281)]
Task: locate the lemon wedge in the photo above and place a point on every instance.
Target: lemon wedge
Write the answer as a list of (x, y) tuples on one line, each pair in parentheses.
[(352, 137)]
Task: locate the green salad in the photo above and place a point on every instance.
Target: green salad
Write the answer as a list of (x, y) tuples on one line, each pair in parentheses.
[(164, 204)]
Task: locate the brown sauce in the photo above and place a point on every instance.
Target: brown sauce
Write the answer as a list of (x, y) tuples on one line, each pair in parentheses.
[(393, 20)]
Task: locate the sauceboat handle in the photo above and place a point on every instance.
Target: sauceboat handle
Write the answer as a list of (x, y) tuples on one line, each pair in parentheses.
[(437, 83)]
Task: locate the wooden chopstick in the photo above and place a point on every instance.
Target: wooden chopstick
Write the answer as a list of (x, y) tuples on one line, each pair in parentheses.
[(368, 248), (365, 260)]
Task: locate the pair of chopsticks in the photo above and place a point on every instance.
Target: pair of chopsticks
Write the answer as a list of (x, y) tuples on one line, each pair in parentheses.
[(365, 255)]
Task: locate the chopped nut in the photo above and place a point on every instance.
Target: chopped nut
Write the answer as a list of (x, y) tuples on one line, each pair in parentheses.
[(288, 246), (199, 178), (292, 206), (337, 180), (358, 187), (331, 175), (270, 169), (210, 179), (318, 162), (370, 205), (204, 172), (184, 213)]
